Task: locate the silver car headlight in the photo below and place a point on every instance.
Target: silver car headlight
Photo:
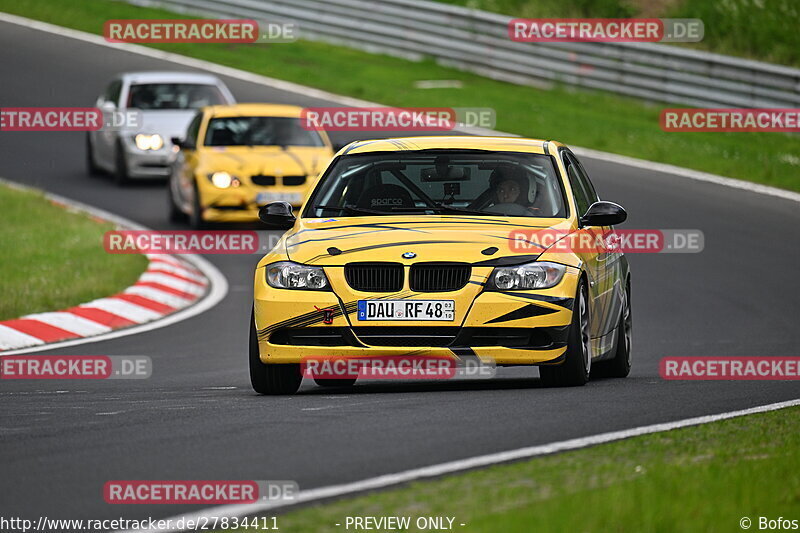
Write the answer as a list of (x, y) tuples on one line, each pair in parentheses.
[(527, 276), (145, 142), (289, 275)]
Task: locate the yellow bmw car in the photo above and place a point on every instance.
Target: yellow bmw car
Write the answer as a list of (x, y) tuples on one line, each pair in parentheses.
[(411, 246), (236, 158)]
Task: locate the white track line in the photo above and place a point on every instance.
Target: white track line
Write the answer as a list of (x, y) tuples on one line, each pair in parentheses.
[(462, 465), (217, 290), (348, 101)]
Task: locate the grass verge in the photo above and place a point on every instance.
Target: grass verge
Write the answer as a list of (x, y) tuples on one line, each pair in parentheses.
[(704, 478), (582, 118), (58, 257), (764, 30)]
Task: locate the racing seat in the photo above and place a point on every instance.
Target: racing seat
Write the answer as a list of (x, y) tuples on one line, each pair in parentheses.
[(384, 197)]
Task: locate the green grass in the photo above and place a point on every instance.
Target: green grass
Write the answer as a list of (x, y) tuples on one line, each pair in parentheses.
[(580, 118), (765, 30), (55, 259), (699, 479)]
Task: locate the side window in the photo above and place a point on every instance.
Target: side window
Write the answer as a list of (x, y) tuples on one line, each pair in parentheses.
[(194, 129), (112, 92), (582, 198), (584, 177)]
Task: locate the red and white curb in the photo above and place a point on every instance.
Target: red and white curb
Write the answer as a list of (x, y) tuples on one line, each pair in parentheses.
[(168, 284), (171, 289)]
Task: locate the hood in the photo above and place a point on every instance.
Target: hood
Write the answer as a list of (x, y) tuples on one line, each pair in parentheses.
[(167, 123), (268, 160), (430, 238)]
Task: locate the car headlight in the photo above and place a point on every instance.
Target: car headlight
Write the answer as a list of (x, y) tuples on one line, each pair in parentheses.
[(146, 142), (528, 276), (223, 180), (288, 275)]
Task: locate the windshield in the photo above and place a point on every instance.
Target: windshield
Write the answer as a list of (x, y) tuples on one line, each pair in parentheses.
[(260, 131), (173, 96), (444, 182)]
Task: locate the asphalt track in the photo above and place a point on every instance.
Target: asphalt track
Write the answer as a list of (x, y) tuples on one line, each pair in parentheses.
[(197, 418)]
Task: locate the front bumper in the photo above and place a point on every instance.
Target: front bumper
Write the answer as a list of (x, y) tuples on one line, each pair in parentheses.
[(240, 204), (522, 328), (151, 164)]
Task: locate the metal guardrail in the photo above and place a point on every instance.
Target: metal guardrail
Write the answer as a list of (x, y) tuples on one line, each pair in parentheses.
[(478, 41)]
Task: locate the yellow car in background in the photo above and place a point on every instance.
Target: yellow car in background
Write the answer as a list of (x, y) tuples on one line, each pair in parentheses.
[(236, 158)]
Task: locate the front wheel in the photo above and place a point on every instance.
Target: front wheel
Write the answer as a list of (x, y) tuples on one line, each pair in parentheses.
[(91, 165), (575, 369), (274, 379), (121, 175)]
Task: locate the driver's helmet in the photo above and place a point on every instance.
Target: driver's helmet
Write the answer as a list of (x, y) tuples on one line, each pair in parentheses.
[(527, 188)]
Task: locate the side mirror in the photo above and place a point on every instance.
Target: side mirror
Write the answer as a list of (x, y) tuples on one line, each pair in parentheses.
[(277, 215), (107, 106), (604, 214), (181, 143)]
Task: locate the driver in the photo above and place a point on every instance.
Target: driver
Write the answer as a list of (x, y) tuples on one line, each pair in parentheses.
[(510, 186)]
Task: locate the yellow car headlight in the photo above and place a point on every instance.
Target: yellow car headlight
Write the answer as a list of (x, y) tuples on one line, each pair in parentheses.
[(146, 142), (223, 180)]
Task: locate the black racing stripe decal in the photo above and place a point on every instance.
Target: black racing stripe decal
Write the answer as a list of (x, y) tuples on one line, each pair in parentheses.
[(566, 303), (508, 260), (315, 317), (349, 235), (526, 311)]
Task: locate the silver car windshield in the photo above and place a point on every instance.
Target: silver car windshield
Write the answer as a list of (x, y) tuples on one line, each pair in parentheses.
[(148, 96), (457, 182)]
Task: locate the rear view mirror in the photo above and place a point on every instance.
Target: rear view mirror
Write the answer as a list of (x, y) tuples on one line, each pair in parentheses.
[(429, 175), (604, 214), (277, 215)]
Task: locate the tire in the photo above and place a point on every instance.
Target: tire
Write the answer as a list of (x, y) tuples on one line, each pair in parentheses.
[(196, 217), (120, 166), (620, 365), (91, 166), (275, 379), (347, 382), (575, 370), (173, 212)]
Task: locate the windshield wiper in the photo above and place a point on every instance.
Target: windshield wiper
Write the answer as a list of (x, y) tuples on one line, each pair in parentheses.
[(352, 209)]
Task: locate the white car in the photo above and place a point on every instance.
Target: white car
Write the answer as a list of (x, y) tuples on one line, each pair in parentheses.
[(163, 104)]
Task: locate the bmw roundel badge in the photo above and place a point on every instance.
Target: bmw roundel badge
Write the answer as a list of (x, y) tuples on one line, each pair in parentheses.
[(409, 255)]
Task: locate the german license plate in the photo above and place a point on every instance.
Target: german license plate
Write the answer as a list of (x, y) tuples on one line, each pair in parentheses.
[(406, 309), (293, 198)]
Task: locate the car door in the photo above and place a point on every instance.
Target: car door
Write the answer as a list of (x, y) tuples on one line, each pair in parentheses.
[(597, 259)]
